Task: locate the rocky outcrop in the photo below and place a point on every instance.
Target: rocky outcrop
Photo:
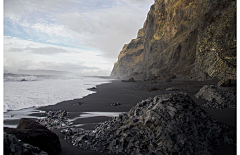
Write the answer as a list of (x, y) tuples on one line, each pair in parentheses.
[(217, 97), (191, 38), (165, 124), (55, 119), (14, 146), (29, 131)]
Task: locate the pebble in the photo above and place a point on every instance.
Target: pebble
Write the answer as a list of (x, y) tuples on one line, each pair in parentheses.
[(171, 89), (115, 104)]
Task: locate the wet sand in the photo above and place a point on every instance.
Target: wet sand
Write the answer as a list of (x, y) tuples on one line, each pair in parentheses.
[(96, 108)]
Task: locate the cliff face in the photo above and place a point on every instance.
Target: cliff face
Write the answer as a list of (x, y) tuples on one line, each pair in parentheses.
[(189, 38)]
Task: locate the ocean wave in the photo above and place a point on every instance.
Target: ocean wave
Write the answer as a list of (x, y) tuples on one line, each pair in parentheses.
[(9, 77), (19, 95)]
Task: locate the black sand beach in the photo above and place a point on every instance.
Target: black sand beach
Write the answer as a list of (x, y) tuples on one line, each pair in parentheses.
[(128, 94)]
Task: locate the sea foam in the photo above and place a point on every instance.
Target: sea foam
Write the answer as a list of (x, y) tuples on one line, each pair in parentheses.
[(39, 91)]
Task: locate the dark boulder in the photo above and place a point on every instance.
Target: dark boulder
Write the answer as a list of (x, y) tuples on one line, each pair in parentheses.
[(169, 77), (130, 80), (152, 89), (92, 89), (13, 146), (167, 80), (78, 103), (152, 82), (37, 135), (26, 123)]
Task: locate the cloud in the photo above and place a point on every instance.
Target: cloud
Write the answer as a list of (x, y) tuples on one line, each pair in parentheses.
[(22, 54), (76, 33), (41, 50), (105, 29), (103, 25)]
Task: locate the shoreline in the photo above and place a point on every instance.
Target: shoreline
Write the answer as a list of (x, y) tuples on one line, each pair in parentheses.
[(128, 94), (29, 112)]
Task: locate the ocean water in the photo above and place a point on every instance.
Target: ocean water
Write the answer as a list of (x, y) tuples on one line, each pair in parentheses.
[(43, 90)]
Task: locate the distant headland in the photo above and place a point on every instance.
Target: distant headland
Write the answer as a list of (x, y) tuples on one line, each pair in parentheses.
[(43, 72)]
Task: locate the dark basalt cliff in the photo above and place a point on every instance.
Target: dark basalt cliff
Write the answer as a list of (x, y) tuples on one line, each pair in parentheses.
[(189, 38)]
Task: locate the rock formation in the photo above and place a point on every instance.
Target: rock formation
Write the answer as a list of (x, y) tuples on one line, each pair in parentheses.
[(217, 97), (31, 132), (190, 38), (165, 124), (14, 146)]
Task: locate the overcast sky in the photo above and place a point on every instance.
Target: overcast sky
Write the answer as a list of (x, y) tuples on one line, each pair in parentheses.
[(80, 36)]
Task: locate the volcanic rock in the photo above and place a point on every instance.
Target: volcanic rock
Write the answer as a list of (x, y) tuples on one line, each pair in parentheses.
[(224, 83), (78, 103), (14, 146), (115, 104), (37, 135), (166, 124), (92, 89), (167, 80), (217, 97), (170, 76), (129, 80), (55, 119), (152, 82), (152, 89), (26, 123)]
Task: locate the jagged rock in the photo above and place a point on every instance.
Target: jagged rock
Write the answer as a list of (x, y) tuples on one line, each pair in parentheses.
[(217, 97), (37, 135), (55, 119), (224, 83), (13, 145), (165, 124)]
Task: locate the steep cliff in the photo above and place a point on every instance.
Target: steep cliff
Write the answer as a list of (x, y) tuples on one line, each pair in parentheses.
[(189, 38)]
